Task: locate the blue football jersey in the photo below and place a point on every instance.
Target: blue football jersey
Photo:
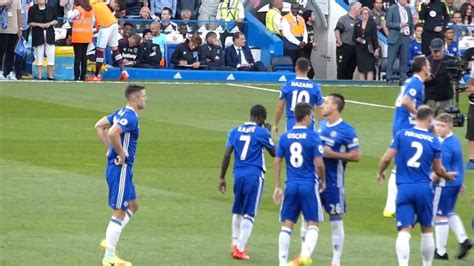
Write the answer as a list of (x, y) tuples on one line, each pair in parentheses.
[(414, 50), (452, 49), (299, 146), (340, 137), (451, 157), (248, 141), (416, 150), (300, 90), (127, 119), (413, 88)]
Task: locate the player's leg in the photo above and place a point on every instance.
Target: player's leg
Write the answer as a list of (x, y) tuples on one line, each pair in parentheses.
[(237, 211), (456, 224), (441, 228), (113, 44), (333, 201), (117, 179), (424, 213), (252, 194), (390, 207), (101, 44), (289, 212), (405, 217)]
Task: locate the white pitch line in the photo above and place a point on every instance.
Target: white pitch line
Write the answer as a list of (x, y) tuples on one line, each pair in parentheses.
[(277, 91)]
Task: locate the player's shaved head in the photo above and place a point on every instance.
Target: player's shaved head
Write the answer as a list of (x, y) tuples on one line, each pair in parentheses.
[(302, 65), (302, 110), (424, 113), (338, 100), (258, 114), (445, 118), (131, 89), (418, 63)]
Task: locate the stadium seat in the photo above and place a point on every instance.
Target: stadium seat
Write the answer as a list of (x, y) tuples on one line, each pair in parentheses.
[(282, 63), (383, 69), (169, 49)]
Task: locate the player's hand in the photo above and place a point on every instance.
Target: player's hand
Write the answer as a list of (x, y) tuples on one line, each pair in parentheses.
[(275, 130), (120, 160), (322, 187), (222, 186), (315, 45), (328, 152), (451, 176), (462, 190), (268, 126), (380, 178), (277, 195)]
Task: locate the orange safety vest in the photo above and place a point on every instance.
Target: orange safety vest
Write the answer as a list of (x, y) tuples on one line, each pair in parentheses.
[(103, 16), (297, 27), (82, 26)]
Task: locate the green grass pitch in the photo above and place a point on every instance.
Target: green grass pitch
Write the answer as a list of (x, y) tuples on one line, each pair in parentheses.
[(53, 194)]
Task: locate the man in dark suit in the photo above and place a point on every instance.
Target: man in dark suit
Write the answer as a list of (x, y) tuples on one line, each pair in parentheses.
[(239, 56), (400, 29)]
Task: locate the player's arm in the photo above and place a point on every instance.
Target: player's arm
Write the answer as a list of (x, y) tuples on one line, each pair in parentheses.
[(352, 156), (114, 137), (409, 104), (319, 112), (101, 128), (384, 163), (319, 163), (277, 194), (278, 114), (440, 171), (224, 166)]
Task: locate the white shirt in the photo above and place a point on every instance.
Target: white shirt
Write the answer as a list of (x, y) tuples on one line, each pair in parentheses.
[(286, 32), (243, 61)]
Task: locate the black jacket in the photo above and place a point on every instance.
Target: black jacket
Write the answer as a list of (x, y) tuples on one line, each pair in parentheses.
[(434, 14), (42, 16), (182, 52), (439, 88), (150, 54), (369, 34), (214, 55)]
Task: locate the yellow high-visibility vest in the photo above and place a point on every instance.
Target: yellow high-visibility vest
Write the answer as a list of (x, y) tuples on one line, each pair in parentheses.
[(229, 10), (270, 21)]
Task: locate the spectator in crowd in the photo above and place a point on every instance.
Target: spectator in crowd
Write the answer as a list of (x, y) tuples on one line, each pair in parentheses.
[(183, 30), (167, 26), (82, 18), (186, 16), (231, 12), (466, 13), (213, 53), (128, 29), (42, 19), (400, 26), (450, 44), (438, 90), (273, 17), (312, 44), (295, 35), (157, 37), (145, 13), (191, 5), (134, 6), (129, 49), (158, 6), (208, 12), (387, 3), (367, 47), (186, 55), (345, 46), (379, 15), (415, 44), (119, 10), (67, 5), (451, 7), (239, 55), (20, 63), (149, 53), (456, 20), (144, 19), (8, 37), (416, 18), (435, 18)]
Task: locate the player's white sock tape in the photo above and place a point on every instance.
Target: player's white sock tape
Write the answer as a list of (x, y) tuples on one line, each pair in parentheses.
[(337, 240), (236, 220), (245, 230), (402, 246), (391, 192), (456, 225), (427, 248), (441, 232), (311, 239), (284, 245)]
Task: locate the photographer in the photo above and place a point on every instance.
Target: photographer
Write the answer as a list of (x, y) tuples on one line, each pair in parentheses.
[(469, 57), (438, 89)]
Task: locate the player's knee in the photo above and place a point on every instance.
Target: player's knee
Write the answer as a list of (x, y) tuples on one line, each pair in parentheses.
[(133, 206), (440, 217), (335, 217)]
